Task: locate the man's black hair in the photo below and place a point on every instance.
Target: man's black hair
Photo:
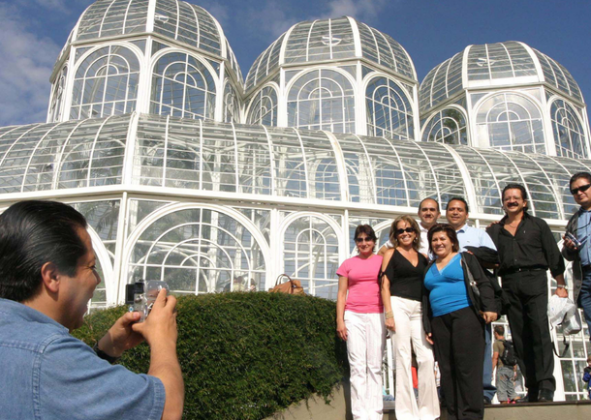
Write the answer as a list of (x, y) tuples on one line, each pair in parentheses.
[(515, 187), (579, 175), (458, 199), (33, 233), (499, 329)]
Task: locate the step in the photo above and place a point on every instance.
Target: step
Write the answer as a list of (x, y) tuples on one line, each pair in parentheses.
[(315, 408)]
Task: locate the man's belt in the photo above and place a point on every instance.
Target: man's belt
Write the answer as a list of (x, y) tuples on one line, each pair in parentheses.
[(521, 270), (586, 267)]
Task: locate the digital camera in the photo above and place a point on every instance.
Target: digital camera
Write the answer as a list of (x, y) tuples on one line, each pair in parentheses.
[(141, 295), (574, 239)]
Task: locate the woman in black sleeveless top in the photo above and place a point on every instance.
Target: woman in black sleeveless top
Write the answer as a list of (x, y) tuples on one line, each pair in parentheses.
[(402, 288)]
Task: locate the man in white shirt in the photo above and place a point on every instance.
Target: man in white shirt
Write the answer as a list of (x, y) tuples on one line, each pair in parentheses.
[(456, 214)]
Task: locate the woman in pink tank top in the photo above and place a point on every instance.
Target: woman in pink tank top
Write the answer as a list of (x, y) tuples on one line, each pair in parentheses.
[(360, 321)]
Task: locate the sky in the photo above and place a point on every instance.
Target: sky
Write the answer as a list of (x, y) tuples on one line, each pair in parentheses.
[(34, 31)]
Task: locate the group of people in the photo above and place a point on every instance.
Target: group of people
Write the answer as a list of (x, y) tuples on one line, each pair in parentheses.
[(430, 286), (435, 288)]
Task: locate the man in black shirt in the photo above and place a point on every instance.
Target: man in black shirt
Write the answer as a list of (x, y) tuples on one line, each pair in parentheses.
[(527, 249)]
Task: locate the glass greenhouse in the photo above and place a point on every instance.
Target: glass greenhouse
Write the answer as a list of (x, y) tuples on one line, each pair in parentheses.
[(190, 175)]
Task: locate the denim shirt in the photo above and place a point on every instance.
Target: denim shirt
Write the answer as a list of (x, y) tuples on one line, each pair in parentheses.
[(46, 374)]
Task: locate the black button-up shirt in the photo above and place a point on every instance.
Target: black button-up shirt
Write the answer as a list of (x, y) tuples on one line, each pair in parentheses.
[(532, 247)]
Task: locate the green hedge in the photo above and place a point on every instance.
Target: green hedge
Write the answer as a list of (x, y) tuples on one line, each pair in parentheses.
[(245, 355)]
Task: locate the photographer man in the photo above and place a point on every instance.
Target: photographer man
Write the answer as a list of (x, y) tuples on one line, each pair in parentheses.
[(577, 246), (47, 277)]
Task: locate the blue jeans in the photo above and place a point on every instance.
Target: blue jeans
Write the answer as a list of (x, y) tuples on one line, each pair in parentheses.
[(585, 297), (489, 389)]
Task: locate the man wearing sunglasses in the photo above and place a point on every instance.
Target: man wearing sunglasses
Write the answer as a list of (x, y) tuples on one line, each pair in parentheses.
[(577, 247)]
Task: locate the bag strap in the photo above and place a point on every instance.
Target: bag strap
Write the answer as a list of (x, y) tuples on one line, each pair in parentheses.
[(278, 282), (566, 346)]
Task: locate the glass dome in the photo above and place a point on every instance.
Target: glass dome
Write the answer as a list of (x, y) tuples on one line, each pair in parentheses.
[(331, 39), (501, 64), (172, 19)]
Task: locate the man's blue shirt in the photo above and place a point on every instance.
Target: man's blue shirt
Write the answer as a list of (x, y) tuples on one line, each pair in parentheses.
[(471, 236), (48, 374), (583, 232)]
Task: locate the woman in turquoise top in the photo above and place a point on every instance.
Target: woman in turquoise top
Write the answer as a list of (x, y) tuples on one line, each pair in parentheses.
[(455, 322)]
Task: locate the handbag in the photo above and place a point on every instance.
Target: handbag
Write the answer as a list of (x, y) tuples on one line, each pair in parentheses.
[(291, 287), (564, 312)]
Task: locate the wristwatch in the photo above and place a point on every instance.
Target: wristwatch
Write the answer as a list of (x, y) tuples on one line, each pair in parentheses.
[(104, 356), (561, 286)]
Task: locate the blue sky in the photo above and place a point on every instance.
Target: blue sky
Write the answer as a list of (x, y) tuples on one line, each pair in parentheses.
[(33, 32)]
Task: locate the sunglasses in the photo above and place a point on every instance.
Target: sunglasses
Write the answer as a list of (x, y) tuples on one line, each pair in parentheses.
[(407, 230), (366, 239), (582, 188)]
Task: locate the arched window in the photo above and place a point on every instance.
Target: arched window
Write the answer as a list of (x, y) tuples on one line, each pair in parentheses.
[(311, 255), (511, 122), (569, 136), (197, 251), (183, 87), (57, 99), (231, 104), (322, 100), (447, 126), (389, 112), (264, 108), (106, 83)]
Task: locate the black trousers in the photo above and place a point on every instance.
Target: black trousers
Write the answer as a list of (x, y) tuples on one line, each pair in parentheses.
[(459, 349), (528, 318)]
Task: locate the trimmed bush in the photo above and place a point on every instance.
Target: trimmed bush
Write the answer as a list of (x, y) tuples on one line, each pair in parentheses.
[(245, 355)]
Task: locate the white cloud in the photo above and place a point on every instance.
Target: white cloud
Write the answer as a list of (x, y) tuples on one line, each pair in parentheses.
[(364, 10), (27, 62), (270, 19)]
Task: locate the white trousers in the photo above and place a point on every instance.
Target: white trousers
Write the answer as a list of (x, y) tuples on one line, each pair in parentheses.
[(366, 337), (409, 327)]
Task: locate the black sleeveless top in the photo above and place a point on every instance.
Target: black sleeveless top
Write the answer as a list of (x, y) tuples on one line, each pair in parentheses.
[(406, 280)]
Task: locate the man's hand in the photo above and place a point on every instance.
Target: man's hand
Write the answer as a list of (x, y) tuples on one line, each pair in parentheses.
[(489, 317), (561, 292), (160, 328), (429, 338), (569, 244), (120, 336)]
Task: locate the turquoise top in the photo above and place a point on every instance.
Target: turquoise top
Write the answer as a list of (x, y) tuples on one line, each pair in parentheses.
[(447, 289)]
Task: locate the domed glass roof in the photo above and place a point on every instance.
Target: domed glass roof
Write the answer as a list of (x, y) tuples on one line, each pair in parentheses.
[(178, 20), (331, 39), (490, 65), (144, 152)]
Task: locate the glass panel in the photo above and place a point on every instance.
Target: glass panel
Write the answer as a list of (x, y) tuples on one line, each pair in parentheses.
[(311, 255), (389, 112), (183, 87), (448, 127), (322, 100), (199, 251), (264, 108), (511, 122), (106, 83)]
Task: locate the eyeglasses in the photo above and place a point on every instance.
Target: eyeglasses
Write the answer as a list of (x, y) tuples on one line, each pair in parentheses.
[(407, 230), (366, 239), (582, 188)]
